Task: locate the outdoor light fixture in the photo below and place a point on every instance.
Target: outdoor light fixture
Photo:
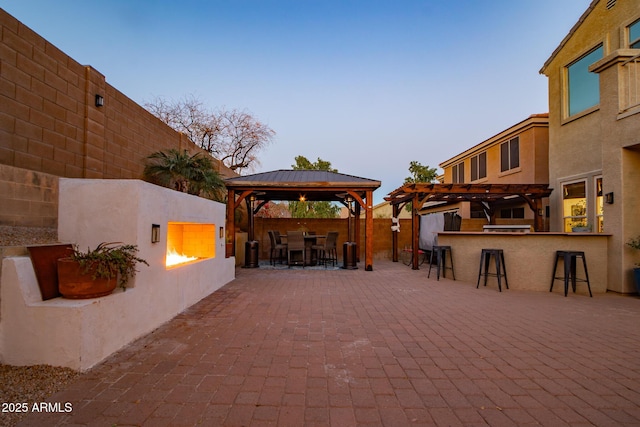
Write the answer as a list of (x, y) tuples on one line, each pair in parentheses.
[(155, 233), (608, 198), (99, 100), (302, 198), (221, 232)]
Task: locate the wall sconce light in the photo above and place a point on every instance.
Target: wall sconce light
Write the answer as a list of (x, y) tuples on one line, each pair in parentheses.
[(99, 101), (608, 198), (221, 232), (303, 198), (155, 233)]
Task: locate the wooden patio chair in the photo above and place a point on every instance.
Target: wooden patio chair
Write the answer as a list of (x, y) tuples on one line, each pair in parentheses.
[(295, 243), (277, 249), (328, 250)]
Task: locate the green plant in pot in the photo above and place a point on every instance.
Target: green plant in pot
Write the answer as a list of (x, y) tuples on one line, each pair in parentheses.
[(97, 272), (582, 227), (635, 244)]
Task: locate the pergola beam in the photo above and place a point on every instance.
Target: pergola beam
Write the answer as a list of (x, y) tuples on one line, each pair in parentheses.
[(420, 193)]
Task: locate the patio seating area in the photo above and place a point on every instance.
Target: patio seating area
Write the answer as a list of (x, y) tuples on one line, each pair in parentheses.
[(312, 249), (388, 347)]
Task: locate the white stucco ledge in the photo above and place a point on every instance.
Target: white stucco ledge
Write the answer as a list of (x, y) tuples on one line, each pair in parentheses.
[(80, 333), (529, 258)]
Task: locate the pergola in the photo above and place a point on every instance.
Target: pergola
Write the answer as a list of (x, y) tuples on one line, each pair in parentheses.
[(311, 185), (491, 194)]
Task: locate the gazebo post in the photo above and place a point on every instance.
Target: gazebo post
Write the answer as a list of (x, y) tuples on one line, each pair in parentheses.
[(538, 222), (356, 221), (230, 226), (249, 200), (368, 231), (394, 234), (415, 231), (536, 207)]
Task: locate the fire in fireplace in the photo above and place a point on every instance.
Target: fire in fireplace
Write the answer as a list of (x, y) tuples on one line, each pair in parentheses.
[(188, 242)]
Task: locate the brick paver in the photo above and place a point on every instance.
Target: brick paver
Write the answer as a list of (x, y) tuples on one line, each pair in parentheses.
[(388, 347)]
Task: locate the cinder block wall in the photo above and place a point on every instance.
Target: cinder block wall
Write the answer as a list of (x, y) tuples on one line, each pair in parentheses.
[(49, 122), (382, 241), (28, 198)]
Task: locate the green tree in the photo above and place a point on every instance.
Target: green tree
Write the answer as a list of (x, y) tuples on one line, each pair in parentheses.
[(311, 209), (192, 174), (302, 163), (419, 173)]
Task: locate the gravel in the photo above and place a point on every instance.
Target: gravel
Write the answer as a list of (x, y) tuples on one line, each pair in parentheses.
[(28, 384), (25, 236)]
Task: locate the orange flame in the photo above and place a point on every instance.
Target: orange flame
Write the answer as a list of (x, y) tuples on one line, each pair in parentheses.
[(174, 258)]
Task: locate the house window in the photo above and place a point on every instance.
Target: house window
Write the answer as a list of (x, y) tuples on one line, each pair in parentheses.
[(510, 154), (478, 210), (512, 213), (479, 166), (574, 205), (634, 35), (599, 206), (457, 172), (584, 86)]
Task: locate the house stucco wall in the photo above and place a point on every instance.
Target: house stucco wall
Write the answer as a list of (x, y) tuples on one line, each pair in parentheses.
[(603, 140), (534, 140), (533, 137)]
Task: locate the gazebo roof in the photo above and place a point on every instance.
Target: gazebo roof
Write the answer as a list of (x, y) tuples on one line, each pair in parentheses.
[(291, 184), (313, 185)]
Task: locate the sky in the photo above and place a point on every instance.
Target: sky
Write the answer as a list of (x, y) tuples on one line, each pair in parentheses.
[(368, 85)]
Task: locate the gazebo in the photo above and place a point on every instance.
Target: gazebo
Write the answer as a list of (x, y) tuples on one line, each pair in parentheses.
[(312, 185), (421, 193)]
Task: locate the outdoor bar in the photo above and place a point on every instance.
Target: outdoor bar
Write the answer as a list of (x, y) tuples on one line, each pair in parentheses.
[(529, 257)]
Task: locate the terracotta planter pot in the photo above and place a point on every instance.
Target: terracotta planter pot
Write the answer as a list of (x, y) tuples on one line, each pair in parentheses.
[(45, 263), (74, 284)]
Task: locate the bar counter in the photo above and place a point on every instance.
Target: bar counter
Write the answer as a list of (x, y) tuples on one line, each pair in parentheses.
[(529, 258)]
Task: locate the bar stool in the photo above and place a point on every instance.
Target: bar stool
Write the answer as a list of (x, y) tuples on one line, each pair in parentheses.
[(570, 261), (501, 269), (440, 253)]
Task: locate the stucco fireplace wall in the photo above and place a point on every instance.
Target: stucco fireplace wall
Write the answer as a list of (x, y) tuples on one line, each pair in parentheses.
[(81, 333)]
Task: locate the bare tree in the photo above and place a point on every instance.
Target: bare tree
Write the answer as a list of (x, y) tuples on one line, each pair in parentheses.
[(234, 137), (241, 137)]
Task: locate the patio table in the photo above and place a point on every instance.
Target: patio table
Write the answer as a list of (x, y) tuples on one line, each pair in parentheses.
[(309, 241)]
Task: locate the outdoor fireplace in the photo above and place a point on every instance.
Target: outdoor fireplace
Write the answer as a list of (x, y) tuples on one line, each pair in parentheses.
[(188, 242), (133, 212)]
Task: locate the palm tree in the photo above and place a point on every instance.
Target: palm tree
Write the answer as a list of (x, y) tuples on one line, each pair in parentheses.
[(189, 174)]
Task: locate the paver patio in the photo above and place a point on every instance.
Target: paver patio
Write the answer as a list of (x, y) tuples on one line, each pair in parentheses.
[(388, 347)]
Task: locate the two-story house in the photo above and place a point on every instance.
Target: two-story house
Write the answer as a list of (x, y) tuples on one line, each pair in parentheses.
[(594, 130), (517, 155)]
